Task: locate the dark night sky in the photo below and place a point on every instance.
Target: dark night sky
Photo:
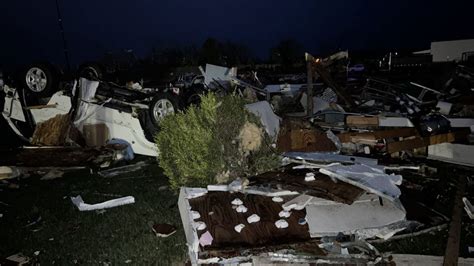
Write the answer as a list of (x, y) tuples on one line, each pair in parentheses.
[(30, 30)]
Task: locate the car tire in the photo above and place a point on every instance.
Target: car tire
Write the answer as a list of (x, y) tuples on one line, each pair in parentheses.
[(159, 107), (195, 94), (41, 79), (91, 71), (163, 104)]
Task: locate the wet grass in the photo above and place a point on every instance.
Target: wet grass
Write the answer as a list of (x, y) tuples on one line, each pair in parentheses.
[(67, 236), (121, 235)]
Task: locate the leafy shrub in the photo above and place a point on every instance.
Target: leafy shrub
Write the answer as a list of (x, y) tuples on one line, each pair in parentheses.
[(202, 143)]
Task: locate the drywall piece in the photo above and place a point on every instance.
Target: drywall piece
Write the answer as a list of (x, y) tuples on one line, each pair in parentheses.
[(199, 225), (269, 192), (236, 185), (277, 199), (319, 104), (237, 201), (195, 215), (425, 260), (217, 188), (253, 218), (238, 228), (444, 107), (309, 177), (461, 122), (206, 239), (191, 193), (385, 232), (241, 209), (395, 122), (297, 203), (104, 205), (468, 208), (369, 178), (327, 217), (284, 214), (288, 89), (281, 224), (329, 158), (452, 153), (216, 73), (269, 119)]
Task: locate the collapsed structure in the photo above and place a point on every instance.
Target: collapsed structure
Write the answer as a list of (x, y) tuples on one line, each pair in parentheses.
[(344, 142)]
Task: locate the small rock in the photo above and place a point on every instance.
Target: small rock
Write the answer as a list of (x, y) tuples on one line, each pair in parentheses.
[(128, 261), (162, 188), (36, 253), (51, 239)]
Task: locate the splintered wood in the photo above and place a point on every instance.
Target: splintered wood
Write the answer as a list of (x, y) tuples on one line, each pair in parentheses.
[(322, 186), (298, 136), (52, 132)]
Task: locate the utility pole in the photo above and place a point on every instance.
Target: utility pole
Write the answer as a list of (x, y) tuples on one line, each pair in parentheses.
[(61, 30)]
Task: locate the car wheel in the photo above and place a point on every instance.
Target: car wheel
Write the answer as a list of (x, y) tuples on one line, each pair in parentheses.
[(163, 104), (41, 80), (91, 71), (194, 98)]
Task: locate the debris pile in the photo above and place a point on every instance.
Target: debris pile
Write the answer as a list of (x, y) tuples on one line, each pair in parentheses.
[(339, 185)]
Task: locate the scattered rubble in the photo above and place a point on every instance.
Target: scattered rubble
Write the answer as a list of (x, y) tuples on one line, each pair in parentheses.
[(337, 189)]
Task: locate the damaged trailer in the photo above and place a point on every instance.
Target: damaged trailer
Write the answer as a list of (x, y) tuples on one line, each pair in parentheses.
[(311, 211)]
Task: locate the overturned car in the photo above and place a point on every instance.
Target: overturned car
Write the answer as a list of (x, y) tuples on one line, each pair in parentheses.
[(101, 109)]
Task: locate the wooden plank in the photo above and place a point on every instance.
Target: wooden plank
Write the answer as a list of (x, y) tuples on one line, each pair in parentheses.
[(362, 121), (40, 106), (327, 79), (452, 247), (309, 91), (377, 135), (419, 142)]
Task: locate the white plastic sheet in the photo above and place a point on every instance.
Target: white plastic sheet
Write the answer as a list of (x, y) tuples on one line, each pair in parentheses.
[(370, 178), (269, 119), (104, 205), (86, 92)]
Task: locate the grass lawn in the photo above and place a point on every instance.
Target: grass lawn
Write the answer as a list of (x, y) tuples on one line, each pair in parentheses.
[(66, 235), (123, 234)]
